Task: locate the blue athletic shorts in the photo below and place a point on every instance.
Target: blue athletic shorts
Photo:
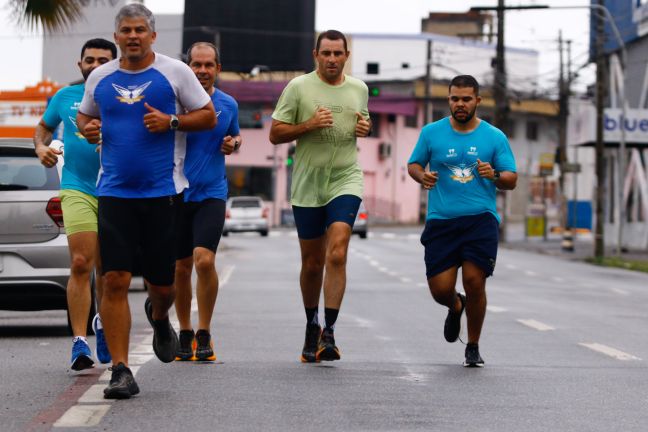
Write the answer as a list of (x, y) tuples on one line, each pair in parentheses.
[(450, 242), (312, 222)]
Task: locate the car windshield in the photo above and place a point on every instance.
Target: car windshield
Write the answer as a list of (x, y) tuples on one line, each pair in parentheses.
[(245, 203), (25, 172)]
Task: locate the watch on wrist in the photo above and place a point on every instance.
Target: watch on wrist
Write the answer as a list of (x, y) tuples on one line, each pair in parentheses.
[(237, 145), (496, 176), (174, 123)]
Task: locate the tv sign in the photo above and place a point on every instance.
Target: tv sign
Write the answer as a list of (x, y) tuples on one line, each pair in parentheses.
[(635, 125)]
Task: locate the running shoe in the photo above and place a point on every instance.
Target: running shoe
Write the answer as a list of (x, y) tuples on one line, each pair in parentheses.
[(204, 346), (101, 351), (327, 351), (452, 326), (81, 355), (165, 339), (186, 346), (311, 343), (473, 359), (122, 383)]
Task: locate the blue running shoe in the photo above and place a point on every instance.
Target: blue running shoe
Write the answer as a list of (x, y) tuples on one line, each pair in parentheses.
[(81, 355), (101, 351)]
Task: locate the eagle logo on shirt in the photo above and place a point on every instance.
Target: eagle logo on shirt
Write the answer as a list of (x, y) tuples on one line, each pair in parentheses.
[(132, 94), (462, 173), (77, 133)]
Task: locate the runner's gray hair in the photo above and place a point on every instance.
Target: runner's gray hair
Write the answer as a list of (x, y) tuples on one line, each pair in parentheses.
[(135, 10)]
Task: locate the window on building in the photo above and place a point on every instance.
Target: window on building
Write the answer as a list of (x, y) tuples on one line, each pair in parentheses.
[(373, 68), (375, 125), (250, 116), (532, 130), (411, 121)]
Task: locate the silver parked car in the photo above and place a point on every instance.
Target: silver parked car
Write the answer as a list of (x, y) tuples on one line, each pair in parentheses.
[(34, 257), (360, 226), (245, 214)]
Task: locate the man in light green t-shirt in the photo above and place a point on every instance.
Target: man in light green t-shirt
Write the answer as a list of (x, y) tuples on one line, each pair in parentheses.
[(324, 111)]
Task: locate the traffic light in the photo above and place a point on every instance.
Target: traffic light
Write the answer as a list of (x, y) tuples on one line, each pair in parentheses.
[(374, 91), (290, 157)]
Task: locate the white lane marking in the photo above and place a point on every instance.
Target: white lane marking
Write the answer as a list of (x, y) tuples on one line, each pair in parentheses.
[(223, 278), (620, 291), (374, 263), (421, 284), (530, 273), (405, 280), (274, 234), (383, 269), (83, 416), (388, 235), (142, 349), (363, 323), (392, 273), (537, 325), (496, 309), (94, 395), (413, 236), (558, 279), (609, 351), (511, 266), (44, 343)]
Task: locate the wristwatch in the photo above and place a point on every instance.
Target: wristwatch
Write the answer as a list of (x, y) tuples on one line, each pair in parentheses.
[(174, 123), (496, 176), (237, 145)]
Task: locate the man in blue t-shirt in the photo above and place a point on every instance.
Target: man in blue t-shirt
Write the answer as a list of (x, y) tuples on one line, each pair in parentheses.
[(139, 107), (468, 161), (203, 215), (78, 201)]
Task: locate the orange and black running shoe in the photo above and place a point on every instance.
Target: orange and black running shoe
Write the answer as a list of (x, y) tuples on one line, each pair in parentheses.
[(327, 350), (187, 346), (204, 346), (311, 343)]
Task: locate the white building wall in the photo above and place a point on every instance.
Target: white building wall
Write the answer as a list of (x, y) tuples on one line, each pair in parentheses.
[(450, 56)]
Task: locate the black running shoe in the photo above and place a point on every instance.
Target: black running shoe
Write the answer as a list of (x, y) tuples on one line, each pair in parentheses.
[(452, 326), (122, 384), (186, 346), (204, 346), (165, 339), (311, 342), (327, 350), (473, 359)]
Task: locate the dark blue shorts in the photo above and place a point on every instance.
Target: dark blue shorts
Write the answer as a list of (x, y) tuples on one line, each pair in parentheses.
[(312, 222), (200, 225), (450, 242)]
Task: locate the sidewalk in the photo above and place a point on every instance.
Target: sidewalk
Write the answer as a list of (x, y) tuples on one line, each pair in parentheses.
[(583, 246)]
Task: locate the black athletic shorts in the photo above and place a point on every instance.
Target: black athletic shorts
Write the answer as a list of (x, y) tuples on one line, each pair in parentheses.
[(147, 224), (450, 242), (201, 225), (312, 222)]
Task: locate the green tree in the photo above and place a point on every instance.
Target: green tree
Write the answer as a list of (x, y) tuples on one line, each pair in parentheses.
[(51, 15)]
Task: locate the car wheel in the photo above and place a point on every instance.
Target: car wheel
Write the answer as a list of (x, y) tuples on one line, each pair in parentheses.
[(363, 235), (93, 308), (225, 233), (264, 233)]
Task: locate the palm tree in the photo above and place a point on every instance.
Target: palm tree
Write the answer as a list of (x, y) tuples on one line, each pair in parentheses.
[(52, 15)]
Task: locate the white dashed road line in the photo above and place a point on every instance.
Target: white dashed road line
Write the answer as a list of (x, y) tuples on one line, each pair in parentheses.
[(609, 351), (496, 309), (537, 325)]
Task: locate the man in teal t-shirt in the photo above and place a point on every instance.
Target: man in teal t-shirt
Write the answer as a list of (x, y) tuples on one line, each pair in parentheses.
[(78, 200), (324, 111), (468, 160)]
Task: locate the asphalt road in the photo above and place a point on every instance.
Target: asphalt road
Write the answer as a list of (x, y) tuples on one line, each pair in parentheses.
[(564, 345)]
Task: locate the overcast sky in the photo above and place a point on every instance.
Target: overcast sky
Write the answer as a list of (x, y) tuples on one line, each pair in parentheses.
[(22, 49)]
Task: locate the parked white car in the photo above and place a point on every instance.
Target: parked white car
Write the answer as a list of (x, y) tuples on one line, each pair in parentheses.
[(246, 214)]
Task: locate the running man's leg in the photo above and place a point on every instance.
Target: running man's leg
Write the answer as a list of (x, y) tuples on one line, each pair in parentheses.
[(184, 293), (83, 246), (442, 288), (207, 286), (313, 255), (338, 236), (474, 282), (115, 314)]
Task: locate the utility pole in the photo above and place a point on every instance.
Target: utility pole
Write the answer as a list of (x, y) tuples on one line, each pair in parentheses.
[(599, 245), (563, 114), (499, 93), (428, 83)]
